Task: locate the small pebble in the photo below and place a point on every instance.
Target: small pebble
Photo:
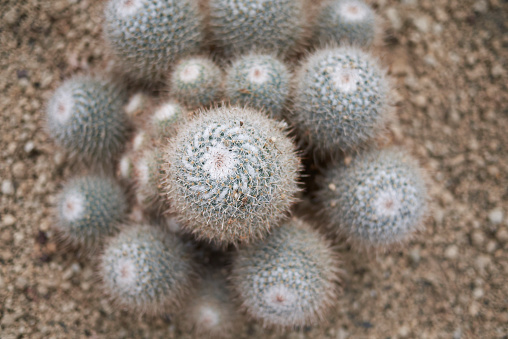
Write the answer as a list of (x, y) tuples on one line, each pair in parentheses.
[(491, 246), (29, 147), (7, 187), (451, 252), (21, 283), (8, 220), (496, 216), (19, 170), (478, 293), (478, 238), (502, 235)]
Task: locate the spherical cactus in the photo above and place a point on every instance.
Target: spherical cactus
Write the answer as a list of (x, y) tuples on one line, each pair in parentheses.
[(165, 119), (259, 81), (89, 209), (196, 82), (211, 312), (231, 174), (340, 100), (378, 199), (148, 36), (148, 176), (349, 21), (239, 26), (288, 280), (147, 270), (85, 117)]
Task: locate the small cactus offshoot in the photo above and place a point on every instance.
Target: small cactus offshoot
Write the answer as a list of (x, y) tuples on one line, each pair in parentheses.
[(89, 209), (290, 279), (240, 26), (147, 270), (85, 117), (378, 199), (165, 119), (346, 21), (340, 100), (148, 36), (231, 174), (196, 82), (259, 81), (148, 178)]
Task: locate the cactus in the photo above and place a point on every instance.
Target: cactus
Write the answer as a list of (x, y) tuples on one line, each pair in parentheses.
[(288, 280), (89, 209), (259, 81), (146, 270), (211, 312), (85, 117), (148, 177), (165, 119), (125, 170), (149, 35), (196, 82), (240, 26), (340, 100), (231, 174), (349, 21), (379, 199)]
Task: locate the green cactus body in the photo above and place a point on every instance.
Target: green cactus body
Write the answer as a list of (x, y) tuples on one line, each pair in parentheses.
[(85, 117), (349, 21), (211, 312), (288, 280), (378, 199), (259, 81), (89, 209), (149, 175), (196, 82), (147, 270), (166, 118), (231, 174), (148, 36), (240, 26), (340, 100)]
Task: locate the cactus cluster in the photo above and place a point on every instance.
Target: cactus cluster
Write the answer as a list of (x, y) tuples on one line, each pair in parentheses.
[(212, 166)]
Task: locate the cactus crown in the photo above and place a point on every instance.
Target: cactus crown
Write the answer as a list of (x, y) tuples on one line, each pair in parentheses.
[(89, 209), (259, 81), (149, 35), (289, 279), (231, 174), (350, 21), (340, 99), (239, 26), (379, 199), (85, 117), (146, 269)]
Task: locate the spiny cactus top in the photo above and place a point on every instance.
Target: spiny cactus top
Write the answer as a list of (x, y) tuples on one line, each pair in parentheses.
[(196, 82), (89, 209), (211, 312), (259, 81), (85, 116), (165, 119), (231, 174), (150, 35), (147, 270), (240, 26), (289, 279), (350, 21), (379, 199), (340, 99)]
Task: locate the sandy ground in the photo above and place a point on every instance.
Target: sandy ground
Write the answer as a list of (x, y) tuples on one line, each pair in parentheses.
[(448, 59)]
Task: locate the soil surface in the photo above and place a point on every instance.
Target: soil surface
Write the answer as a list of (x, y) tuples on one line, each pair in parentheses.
[(449, 63)]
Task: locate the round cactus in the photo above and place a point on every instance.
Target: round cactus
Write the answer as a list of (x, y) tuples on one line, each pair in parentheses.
[(340, 100), (211, 312), (148, 36), (165, 119), (378, 199), (288, 280), (147, 270), (85, 117), (349, 21), (89, 209), (196, 82), (231, 174), (259, 81), (239, 26), (148, 177)]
